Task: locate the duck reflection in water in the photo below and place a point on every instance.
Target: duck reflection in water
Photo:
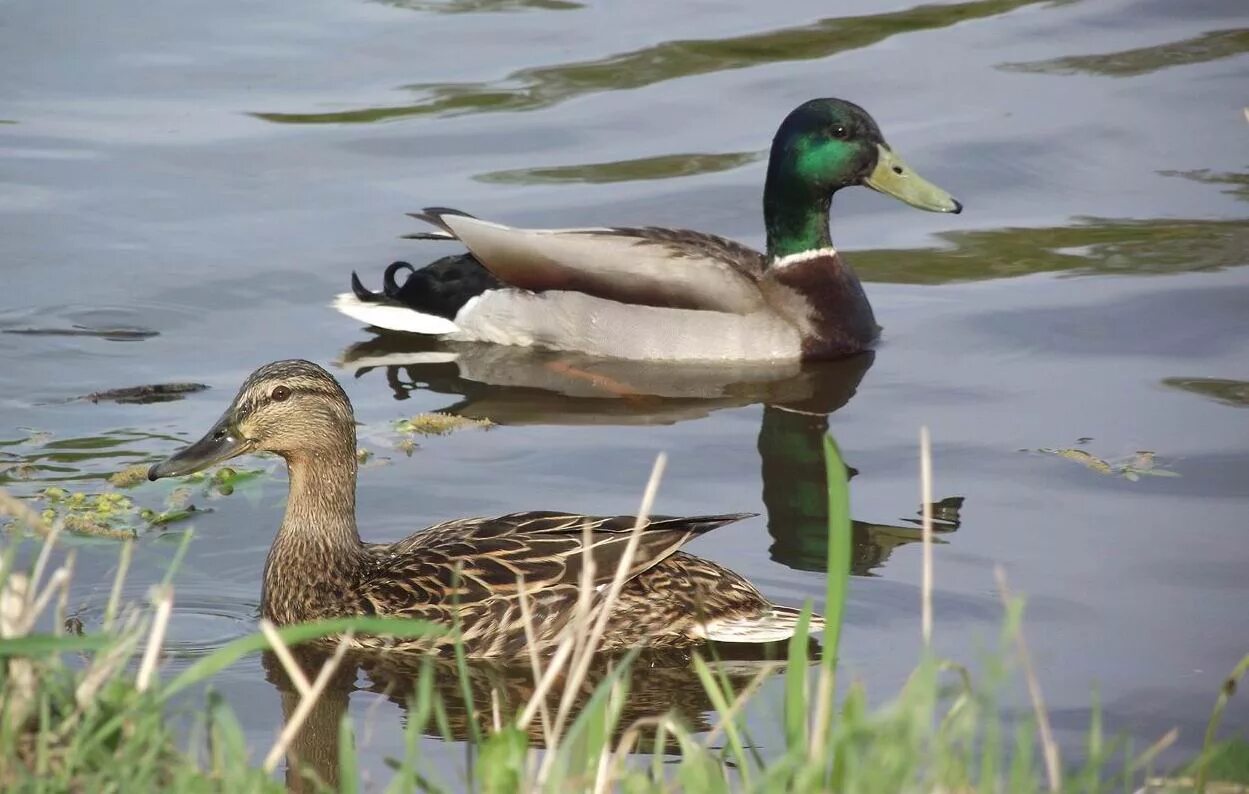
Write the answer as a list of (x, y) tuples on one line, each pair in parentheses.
[(461, 708), (521, 386), (791, 451), (524, 386)]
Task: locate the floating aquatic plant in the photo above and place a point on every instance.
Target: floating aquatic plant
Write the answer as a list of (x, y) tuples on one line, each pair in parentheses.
[(77, 483), (434, 423), (1142, 463), (439, 424)]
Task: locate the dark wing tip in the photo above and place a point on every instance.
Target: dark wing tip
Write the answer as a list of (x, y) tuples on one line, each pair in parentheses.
[(439, 211), (724, 518), (703, 524), (697, 524), (433, 216)]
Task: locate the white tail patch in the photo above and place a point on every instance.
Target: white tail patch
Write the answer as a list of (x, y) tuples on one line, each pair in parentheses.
[(398, 359), (776, 626), (803, 256), (392, 317)]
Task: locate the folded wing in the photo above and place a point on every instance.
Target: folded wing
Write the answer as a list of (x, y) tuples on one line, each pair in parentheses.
[(471, 560), (646, 266)]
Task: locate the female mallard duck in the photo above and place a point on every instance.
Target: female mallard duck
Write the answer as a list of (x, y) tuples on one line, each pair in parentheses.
[(668, 294), (463, 572)]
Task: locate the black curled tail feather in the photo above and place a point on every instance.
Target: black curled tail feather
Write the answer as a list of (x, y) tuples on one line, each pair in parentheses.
[(389, 287), (363, 293)]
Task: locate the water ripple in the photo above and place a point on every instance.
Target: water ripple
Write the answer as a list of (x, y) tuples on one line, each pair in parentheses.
[(540, 87)]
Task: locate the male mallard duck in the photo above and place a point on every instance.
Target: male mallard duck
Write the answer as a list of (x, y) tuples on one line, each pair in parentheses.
[(462, 572), (668, 294)]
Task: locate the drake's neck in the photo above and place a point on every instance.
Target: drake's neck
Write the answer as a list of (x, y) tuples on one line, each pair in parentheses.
[(796, 217)]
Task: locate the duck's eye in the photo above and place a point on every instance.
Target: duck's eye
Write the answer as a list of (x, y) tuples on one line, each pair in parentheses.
[(838, 131), (279, 394)]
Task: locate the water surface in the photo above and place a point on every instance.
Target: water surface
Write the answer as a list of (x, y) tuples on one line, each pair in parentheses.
[(183, 187)]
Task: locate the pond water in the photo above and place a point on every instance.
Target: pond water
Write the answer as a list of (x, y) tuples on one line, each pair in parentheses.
[(184, 187)]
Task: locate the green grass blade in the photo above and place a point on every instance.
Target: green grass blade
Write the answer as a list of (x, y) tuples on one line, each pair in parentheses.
[(1023, 771), (34, 645), (837, 578), (796, 683), (442, 721), (596, 722), (1216, 715), (732, 730), (500, 766), (178, 554), (348, 763), (698, 770), (227, 743), (660, 752), (464, 677), (839, 548), (231, 652), (43, 738), (990, 755), (421, 704)]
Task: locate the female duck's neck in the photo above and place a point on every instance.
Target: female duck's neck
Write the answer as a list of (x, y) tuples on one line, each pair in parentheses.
[(321, 506), (796, 217), (315, 557)]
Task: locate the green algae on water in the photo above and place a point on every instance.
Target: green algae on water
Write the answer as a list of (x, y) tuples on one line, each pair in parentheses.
[(439, 424)]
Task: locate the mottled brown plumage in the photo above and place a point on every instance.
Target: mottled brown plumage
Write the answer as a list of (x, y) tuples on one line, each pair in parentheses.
[(467, 573)]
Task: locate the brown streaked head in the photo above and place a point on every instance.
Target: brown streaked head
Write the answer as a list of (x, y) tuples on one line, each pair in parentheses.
[(292, 407)]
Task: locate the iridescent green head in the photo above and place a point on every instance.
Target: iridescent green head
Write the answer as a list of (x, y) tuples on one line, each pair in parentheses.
[(822, 146)]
